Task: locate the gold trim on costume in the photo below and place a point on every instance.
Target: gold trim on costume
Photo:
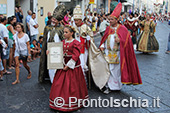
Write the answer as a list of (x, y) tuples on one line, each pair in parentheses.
[(148, 51), (131, 83), (126, 39), (123, 63), (113, 16), (131, 24)]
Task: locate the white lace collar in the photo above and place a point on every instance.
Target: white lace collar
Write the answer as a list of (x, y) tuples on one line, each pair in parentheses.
[(131, 20), (69, 41), (114, 27)]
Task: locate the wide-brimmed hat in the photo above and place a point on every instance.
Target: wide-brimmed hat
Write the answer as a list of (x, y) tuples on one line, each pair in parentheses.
[(59, 12)]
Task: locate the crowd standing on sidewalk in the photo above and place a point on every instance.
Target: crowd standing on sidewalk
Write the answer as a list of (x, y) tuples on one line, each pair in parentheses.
[(9, 34)]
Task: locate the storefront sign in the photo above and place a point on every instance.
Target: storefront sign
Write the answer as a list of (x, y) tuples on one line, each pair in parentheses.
[(91, 2), (3, 9), (64, 0)]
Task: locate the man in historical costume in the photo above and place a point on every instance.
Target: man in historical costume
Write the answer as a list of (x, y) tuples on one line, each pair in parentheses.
[(118, 51), (131, 24), (52, 33), (83, 34)]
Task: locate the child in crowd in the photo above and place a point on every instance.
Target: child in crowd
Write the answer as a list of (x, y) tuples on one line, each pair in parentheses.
[(34, 50), (40, 43)]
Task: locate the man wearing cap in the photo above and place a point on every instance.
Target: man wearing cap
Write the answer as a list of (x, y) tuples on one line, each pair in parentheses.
[(118, 50), (52, 33), (83, 34)]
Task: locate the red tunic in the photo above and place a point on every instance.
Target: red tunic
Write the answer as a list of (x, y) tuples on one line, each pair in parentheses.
[(129, 68), (70, 83), (130, 25)]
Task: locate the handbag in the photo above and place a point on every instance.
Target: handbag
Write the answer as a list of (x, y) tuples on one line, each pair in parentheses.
[(21, 56)]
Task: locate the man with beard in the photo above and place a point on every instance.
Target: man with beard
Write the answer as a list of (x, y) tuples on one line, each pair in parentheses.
[(52, 33), (118, 50)]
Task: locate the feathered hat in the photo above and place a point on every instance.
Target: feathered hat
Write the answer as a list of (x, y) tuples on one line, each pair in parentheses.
[(116, 12), (59, 12), (77, 13)]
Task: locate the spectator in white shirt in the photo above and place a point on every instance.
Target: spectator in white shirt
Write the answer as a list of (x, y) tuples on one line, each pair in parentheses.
[(90, 16), (3, 45), (103, 26), (27, 20), (33, 27), (22, 47), (4, 36)]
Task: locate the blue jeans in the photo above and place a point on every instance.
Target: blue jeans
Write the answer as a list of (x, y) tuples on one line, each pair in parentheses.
[(33, 37), (1, 66), (7, 54)]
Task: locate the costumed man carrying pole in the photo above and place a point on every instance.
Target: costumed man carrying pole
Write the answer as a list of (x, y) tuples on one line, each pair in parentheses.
[(83, 34), (120, 64), (52, 33)]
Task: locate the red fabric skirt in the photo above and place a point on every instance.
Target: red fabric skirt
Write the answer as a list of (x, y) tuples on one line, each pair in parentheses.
[(66, 84)]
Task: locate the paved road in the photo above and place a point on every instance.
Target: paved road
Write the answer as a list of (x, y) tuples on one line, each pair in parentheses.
[(31, 97)]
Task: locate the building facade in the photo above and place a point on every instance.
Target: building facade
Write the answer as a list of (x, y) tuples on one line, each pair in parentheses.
[(40, 7)]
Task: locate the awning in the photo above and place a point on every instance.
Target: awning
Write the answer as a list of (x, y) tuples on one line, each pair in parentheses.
[(127, 4)]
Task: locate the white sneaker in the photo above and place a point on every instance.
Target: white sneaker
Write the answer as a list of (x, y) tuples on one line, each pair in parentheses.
[(107, 91)]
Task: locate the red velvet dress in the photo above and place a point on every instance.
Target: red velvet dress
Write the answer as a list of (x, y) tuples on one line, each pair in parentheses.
[(70, 83)]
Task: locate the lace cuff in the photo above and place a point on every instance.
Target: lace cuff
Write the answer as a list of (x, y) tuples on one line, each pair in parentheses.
[(71, 64), (88, 37)]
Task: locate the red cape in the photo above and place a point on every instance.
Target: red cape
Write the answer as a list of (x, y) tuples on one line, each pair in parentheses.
[(129, 68)]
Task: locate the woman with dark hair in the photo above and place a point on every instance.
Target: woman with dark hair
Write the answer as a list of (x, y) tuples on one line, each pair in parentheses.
[(15, 22), (69, 82), (22, 51), (10, 28)]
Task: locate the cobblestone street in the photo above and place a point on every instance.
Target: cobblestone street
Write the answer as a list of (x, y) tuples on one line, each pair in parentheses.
[(32, 97)]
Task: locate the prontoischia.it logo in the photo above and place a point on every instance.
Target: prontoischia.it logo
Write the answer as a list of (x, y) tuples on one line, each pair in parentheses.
[(111, 102)]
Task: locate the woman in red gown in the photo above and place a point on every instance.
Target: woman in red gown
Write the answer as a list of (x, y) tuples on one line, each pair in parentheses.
[(69, 82)]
